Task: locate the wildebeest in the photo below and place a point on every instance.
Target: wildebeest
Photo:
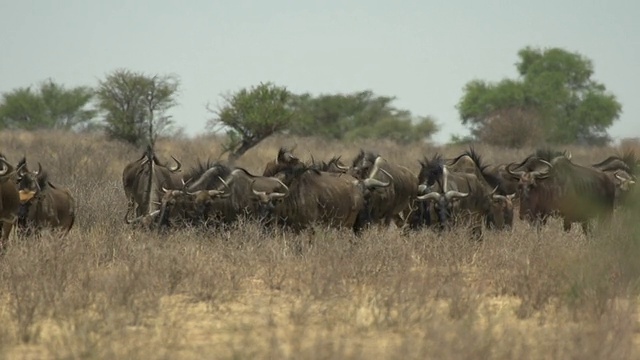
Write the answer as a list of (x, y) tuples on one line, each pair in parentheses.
[(219, 194), (457, 198), (42, 204), (386, 203), (143, 190), (576, 193), (9, 200), (500, 215), (622, 170), (316, 197)]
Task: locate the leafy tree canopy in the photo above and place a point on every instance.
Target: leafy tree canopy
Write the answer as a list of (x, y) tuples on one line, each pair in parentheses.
[(251, 115), (135, 105), (554, 98), (358, 115), (49, 106)]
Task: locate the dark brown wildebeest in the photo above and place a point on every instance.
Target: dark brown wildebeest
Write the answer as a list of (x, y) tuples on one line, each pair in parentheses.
[(9, 200), (394, 202), (315, 197), (142, 190), (576, 193), (501, 206), (42, 204), (457, 198), (285, 156), (622, 170)]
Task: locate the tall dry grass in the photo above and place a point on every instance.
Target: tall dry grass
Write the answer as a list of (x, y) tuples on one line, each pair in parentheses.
[(107, 291)]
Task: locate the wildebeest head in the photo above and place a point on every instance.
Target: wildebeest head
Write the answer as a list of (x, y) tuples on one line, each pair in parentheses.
[(285, 158), (528, 182), (333, 166), (363, 164), (30, 183)]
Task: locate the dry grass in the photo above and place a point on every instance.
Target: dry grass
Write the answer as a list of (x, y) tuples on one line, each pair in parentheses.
[(107, 291)]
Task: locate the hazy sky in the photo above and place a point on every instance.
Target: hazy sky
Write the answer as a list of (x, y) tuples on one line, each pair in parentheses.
[(422, 52)]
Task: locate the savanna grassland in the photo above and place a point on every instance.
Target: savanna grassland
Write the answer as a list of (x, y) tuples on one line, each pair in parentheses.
[(110, 291)]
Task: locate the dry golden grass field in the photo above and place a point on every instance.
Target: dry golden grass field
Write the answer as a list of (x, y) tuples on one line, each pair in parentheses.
[(107, 291)]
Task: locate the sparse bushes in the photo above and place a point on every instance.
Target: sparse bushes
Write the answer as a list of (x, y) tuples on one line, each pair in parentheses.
[(107, 291)]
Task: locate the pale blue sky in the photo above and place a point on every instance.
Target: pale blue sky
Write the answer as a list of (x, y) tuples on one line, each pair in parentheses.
[(422, 52)]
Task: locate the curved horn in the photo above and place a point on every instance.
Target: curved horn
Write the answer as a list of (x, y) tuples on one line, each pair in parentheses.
[(5, 167), (430, 196), (177, 167), (387, 173), (422, 188), (39, 169), (511, 196), (165, 190), (495, 189), (340, 167), (544, 173), (225, 183), (452, 194), (568, 156), (617, 175), (375, 183), (277, 195), (515, 174), (215, 192)]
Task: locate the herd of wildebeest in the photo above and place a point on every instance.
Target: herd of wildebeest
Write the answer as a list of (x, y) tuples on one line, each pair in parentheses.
[(296, 195)]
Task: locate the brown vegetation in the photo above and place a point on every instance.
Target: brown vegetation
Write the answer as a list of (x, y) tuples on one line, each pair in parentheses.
[(109, 291)]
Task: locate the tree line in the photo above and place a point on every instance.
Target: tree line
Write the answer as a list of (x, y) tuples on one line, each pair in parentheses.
[(553, 100)]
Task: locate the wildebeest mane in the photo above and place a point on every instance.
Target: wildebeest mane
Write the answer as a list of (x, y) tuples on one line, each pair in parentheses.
[(431, 170), (201, 167), (492, 179), (365, 155)]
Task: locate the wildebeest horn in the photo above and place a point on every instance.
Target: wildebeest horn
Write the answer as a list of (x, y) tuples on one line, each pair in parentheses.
[(39, 169), (568, 156), (277, 195), (617, 175), (452, 194), (544, 173), (218, 193), (434, 195), (340, 167), (515, 174), (370, 183), (165, 190), (495, 189), (422, 188), (5, 167), (185, 183), (177, 167), (387, 173), (226, 184), (156, 202)]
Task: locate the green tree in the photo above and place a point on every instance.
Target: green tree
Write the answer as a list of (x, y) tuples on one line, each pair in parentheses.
[(135, 105), (250, 116), (554, 98), (357, 115), (50, 106)]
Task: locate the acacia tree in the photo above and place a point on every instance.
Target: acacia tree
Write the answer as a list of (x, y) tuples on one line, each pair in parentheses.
[(135, 105), (358, 115), (555, 93), (250, 116), (50, 106)]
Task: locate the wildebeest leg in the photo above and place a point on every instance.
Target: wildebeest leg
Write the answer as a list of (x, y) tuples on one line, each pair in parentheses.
[(566, 225), (6, 231)]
